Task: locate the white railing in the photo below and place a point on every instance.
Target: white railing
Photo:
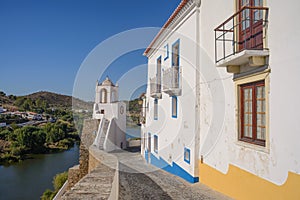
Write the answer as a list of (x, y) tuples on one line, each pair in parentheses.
[(172, 80), (99, 132), (155, 87)]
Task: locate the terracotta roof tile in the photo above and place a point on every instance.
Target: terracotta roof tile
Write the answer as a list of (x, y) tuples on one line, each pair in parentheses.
[(171, 18)]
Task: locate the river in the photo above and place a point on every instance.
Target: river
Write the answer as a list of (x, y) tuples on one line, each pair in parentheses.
[(30, 178)]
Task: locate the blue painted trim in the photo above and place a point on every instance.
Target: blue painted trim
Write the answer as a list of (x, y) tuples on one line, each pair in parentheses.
[(155, 109), (174, 116), (188, 160), (174, 169), (167, 50), (146, 155)]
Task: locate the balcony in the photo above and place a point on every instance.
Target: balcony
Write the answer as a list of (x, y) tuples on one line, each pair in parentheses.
[(172, 81), (155, 87), (241, 39)]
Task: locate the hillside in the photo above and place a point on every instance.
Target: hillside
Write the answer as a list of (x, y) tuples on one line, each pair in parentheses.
[(6, 99), (59, 100), (49, 98), (46, 100), (52, 99)]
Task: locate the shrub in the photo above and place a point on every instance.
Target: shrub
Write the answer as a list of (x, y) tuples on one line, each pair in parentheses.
[(59, 180)]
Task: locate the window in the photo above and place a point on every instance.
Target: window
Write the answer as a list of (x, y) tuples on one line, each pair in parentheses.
[(158, 74), (187, 155), (155, 143), (253, 113), (166, 51), (176, 63), (174, 106), (251, 25), (155, 109), (103, 93), (175, 54)]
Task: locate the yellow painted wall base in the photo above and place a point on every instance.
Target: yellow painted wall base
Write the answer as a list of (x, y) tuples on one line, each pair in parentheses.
[(239, 184)]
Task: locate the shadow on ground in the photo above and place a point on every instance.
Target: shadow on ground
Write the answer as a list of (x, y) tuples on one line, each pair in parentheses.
[(138, 186)]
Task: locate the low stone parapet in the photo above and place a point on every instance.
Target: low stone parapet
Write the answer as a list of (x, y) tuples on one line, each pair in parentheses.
[(73, 176), (102, 181)]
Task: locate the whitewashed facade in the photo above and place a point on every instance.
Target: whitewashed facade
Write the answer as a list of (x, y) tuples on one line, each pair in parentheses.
[(237, 100)]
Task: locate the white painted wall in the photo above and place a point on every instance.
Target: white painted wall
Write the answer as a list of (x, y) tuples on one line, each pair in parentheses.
[(283, 154), (219, 143), (175, 133)]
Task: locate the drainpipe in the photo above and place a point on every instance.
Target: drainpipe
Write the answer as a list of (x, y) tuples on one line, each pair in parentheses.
[(197, 99)]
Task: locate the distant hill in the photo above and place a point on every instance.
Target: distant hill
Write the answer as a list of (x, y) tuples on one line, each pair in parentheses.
[(52, 99), (59, 100)]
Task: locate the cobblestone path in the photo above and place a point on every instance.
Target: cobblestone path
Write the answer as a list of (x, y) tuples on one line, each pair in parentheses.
[(139, 180)]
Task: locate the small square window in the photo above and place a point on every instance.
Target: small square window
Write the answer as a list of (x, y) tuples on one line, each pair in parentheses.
[(187, 155)]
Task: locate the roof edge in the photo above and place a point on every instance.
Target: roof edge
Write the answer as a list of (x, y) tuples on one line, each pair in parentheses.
[(171, 18)]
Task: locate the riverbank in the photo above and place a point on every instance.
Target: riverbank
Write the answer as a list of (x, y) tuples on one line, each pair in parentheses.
[(28, 179), (7, 158), (20, 143)]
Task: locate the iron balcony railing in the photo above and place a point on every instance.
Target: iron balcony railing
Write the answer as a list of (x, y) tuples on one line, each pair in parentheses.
[(155, 87), (172, 80), (244, 30)]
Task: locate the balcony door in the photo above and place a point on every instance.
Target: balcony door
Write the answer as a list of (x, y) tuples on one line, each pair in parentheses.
[(175, 64), (158, 74), (250, 24), (175, 54)]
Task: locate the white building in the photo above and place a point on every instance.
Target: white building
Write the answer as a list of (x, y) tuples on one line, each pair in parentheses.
[(111, 113), (221, 97)]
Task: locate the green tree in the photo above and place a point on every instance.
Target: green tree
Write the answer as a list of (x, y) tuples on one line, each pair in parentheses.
[(38, 141), (54, 132), (58, 182), (4, 134), (2, 93), (19, 101), (48, 195), (12, 97), (27, 105)]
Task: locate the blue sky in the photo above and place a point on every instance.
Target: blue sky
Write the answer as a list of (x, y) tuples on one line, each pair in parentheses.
[(44, 42)]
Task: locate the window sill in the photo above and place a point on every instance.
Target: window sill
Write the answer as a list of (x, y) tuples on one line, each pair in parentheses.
[(254, 147)]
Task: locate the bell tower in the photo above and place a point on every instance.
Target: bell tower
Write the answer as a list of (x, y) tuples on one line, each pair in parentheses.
[(106, 92), (111, 114)]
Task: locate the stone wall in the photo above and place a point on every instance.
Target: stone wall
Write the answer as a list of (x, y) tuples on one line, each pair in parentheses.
[(89, 131), (102, 181), (93, 162), (90, 127), (73, 176)]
